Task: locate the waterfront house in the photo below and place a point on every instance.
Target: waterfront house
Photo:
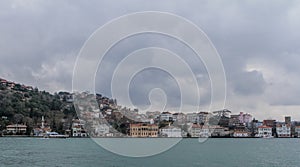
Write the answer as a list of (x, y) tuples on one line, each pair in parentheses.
[(264, 131), (205, 131), (170, 131), (241, 130), (78, 128), (198, 130), (16, 129), (218, 131), (195, 130), (143, 130), (101, 130), (283, 130), (297, 131)]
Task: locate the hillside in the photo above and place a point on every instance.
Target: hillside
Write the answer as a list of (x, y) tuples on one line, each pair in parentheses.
[(26, 105)]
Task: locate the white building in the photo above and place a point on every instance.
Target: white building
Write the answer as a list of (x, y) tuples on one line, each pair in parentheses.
[(195, 130), (171, 131), (16, 129), (179, 118), (191, 117), (283, 130), (203, 117), (200, 131), (102, 130), (297, 131), (264, 131), (78, 128)]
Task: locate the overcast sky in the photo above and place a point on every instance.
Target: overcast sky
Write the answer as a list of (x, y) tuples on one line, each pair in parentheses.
[(258, 42)]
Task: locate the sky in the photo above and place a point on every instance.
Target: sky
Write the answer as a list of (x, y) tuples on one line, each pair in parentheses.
[(258, 42)]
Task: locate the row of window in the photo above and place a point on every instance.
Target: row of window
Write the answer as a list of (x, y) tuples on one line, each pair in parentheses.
[(144, 134)]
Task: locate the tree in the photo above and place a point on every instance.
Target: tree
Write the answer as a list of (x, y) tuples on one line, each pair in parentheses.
[(18, 118)]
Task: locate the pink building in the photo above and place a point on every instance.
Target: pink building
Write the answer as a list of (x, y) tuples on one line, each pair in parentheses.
[(245, 118)]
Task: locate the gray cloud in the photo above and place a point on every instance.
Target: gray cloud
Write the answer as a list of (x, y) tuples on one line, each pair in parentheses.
[(258, 42)]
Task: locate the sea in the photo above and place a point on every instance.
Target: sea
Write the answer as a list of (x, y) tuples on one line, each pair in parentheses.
[(214, 152)]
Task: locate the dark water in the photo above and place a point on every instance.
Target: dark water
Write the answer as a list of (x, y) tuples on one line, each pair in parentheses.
[(189, 152)]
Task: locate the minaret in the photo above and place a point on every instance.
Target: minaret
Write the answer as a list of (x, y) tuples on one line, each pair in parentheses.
[(43, 122)]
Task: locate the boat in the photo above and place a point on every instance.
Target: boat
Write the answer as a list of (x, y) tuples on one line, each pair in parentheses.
[(267, 136), (264, 136), (55, 135)]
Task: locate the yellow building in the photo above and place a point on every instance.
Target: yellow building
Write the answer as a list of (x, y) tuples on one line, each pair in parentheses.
[(143, 130)]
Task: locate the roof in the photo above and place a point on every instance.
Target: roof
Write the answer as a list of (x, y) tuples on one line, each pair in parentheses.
[(281, 125), (16, 125), (170, 127), (196, 126), (264, 126), (166, 112), (142, 124)]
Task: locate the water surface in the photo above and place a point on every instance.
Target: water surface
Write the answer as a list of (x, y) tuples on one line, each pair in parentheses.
[(189, 152)]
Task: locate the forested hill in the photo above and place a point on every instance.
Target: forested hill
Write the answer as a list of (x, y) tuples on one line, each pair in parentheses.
[(26, 105)]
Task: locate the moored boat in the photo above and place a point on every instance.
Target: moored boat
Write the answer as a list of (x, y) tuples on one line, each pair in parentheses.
[(55, 135)]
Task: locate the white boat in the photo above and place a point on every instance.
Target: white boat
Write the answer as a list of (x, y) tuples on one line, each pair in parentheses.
[(55, 135), (267, 136)]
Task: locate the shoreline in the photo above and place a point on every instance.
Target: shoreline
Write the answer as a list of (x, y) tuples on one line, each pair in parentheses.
[(26, 136)]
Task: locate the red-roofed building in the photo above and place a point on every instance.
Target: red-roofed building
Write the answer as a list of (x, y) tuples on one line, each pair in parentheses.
[(16, 129)]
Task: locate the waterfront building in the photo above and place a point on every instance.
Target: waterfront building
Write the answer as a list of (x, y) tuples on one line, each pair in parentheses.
[(195, 130), (297, 131), (283, 130), (205, 131), (198, 130), (218, 131), (16, 129), (170, 131), (101, 130), (241, 131), (78, 128), (143, 130), (264, 131), (42, 129)]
